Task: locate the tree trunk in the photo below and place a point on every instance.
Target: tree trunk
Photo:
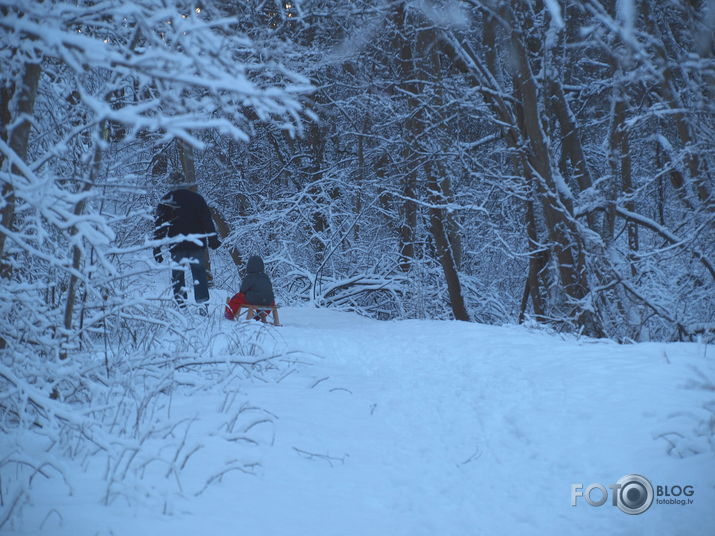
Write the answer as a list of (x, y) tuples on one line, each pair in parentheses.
[(408, 222), (537, 262), (451, 223), (412, 128), (571, 141), (18, 139), (186, 156), (444, 248), (316, 142), (361, 173), (556, 203), (76, 249)]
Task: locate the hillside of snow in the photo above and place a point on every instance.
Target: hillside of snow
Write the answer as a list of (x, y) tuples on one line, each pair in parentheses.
[(346, 425)]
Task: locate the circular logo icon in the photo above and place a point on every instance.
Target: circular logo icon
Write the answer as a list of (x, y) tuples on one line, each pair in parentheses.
[(634, 495)]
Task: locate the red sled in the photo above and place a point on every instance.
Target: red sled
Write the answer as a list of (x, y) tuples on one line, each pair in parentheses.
[(259, 312)]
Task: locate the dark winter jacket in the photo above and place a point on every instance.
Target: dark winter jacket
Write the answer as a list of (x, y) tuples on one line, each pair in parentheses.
[(185, 212), (256, 286)]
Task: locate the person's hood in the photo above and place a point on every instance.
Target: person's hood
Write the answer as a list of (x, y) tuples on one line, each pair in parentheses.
[(255, 265)]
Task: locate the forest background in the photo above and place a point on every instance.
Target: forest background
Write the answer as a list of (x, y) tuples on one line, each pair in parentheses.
[(491, 161)]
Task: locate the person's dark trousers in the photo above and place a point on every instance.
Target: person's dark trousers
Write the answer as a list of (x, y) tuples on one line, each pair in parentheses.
[(195, 257)]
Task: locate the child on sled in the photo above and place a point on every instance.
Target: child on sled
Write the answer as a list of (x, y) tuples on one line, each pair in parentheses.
[(256, 289)]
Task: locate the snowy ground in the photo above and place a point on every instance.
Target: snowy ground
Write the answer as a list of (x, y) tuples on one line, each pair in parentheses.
[(419, 427)]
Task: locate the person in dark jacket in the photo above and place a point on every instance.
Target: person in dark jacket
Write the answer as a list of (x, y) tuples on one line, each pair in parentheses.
[(183, 211), (256, 289)]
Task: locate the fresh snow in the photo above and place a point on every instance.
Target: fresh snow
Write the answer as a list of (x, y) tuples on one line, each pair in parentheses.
[(408, 428), (555, 11)]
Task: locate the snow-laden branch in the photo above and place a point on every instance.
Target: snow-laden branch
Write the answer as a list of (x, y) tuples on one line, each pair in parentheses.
[(169, 53), (667, 234)]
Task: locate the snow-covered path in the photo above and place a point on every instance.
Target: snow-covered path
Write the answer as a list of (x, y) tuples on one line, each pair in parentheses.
[(451, 428), (441, 428)]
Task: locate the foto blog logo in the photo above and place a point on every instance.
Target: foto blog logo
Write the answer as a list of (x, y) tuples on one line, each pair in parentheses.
[(633, 494)]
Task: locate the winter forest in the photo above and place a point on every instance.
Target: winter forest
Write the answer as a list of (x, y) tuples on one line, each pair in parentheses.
[(543, 163)]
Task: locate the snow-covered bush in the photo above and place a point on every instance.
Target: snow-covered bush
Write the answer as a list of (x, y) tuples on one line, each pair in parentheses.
[(92, 94)]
